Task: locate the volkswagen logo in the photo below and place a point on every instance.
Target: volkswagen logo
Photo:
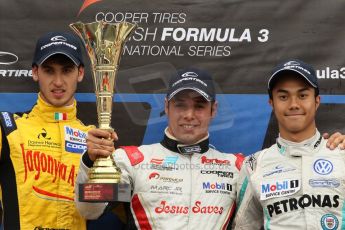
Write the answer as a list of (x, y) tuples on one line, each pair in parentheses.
[(323, 167)]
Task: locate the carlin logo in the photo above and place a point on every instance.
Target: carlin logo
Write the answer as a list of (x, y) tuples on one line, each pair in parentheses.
[(86, 4), (7, 58), (58, 39)]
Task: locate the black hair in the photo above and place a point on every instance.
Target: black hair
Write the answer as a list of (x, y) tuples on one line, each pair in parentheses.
[(283, 74)]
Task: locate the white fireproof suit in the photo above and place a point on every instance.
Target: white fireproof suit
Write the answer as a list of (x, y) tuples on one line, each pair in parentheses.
[(292, 186), (172, 190)]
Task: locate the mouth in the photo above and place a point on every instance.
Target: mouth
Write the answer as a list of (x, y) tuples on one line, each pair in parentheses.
[(295, 115), (188, 126), (58, 93)]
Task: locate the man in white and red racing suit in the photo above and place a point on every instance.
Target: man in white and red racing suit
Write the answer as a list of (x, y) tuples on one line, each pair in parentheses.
[(173, 189), (179, 183)]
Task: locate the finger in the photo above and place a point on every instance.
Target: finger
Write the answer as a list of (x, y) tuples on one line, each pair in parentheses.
[(337, 141), (100, 133), (97, 152), (332, 140), (114, 136), (325, 135)]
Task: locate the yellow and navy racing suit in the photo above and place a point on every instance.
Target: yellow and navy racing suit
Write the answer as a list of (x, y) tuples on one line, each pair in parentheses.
[(40, 155)]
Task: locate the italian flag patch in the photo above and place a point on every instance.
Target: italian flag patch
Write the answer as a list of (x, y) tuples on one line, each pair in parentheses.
[(60, 116)]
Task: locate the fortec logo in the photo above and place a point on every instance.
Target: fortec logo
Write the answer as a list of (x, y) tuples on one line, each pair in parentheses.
[(86, 4), (214, 161), (279, 189)]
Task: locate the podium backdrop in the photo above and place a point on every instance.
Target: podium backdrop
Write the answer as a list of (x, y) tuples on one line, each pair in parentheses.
[(238, 41)]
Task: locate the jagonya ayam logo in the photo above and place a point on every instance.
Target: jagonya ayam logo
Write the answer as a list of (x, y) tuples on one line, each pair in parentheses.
[(86, 4)]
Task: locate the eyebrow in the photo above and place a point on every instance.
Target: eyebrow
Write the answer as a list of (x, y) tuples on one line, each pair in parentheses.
[(286, 91)]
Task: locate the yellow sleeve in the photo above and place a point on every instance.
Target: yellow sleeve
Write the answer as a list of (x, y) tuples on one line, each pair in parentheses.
[(0, 142)]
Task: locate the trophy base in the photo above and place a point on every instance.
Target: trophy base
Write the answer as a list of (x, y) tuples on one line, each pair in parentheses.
[(104, 192)]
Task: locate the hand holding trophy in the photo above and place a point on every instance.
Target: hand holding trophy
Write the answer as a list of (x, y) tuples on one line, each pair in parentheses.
[(104, 44)]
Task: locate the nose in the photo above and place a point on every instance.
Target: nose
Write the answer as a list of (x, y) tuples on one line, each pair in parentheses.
[(294, 103), (58, 80), (189, 114)]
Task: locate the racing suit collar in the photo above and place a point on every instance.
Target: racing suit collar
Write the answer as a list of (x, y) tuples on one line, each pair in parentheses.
[(172, 144), (301, 148), (50, 113)]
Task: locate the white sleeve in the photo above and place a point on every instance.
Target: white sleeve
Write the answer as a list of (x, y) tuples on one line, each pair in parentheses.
[(88, 210), (127, 170)]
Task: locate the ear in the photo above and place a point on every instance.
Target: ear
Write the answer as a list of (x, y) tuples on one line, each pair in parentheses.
[(214, 109), (166, 106), (81, 72), (270, 101), (317, 102), (34, 70)]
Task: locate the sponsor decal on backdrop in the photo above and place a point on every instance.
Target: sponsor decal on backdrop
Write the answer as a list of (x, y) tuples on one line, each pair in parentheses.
[(7, 59), (174, 38)]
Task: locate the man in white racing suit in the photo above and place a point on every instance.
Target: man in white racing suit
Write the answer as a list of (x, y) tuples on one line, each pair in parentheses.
[(298, 183), (179, 183)]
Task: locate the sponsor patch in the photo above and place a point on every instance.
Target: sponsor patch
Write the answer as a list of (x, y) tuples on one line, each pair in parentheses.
[(329, 222), (324, 183), (133, 154), (218, 173), (279, 188), (278, 169), (215, 187), (168, 163), (323, 167), (157, 176), (75, 140), (7, 119)]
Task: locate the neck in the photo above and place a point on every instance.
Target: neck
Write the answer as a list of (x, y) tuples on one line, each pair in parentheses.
[(298, 136)]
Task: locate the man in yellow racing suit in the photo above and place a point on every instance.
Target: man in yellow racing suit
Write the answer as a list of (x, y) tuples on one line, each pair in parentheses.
[(41, 149)]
